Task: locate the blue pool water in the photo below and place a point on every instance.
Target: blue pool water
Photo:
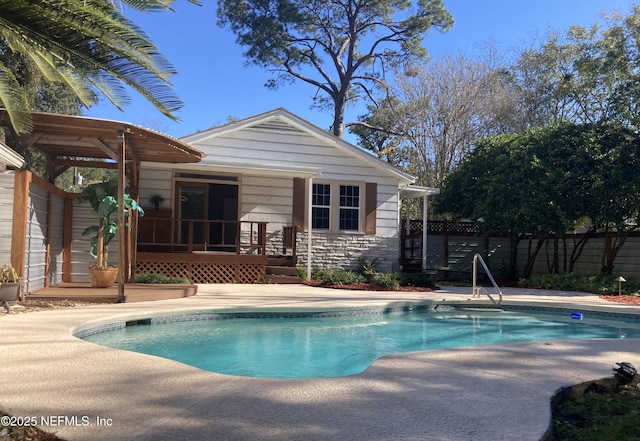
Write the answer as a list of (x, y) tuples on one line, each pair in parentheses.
[(305, 347)]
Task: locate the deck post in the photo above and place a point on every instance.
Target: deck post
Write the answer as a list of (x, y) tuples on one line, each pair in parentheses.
[(22, 182)]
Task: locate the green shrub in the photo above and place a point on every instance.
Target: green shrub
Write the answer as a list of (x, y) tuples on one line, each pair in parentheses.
[(338, 277), (367, 265), (600, 284), (318, 273), (158, 279), (386, 280)]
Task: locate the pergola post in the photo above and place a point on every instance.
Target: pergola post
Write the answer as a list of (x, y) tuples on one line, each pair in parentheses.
[(122, 233), (134, 216)]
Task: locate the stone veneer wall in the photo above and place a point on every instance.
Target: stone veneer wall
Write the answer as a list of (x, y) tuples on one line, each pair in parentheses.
[(342, 250)]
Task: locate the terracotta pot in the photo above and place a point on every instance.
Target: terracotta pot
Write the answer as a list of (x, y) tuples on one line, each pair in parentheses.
[(102, 277), (9, 292)]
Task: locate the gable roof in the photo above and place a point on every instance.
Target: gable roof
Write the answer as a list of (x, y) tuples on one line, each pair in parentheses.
[(282, 120), (9, 157)]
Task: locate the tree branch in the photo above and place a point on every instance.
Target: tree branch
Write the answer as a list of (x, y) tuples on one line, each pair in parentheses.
[(375, 128)]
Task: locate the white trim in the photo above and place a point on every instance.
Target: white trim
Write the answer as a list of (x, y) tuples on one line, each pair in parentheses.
[(414, 191), (335, 208), (8, 156)]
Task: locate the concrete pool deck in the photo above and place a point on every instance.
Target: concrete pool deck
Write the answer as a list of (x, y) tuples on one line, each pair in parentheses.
[(83, 391)]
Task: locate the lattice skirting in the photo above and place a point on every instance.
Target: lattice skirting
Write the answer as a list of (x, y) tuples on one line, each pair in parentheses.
[(207, 272)]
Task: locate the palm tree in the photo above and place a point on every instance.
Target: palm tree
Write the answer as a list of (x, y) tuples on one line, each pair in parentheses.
[(89, 46)]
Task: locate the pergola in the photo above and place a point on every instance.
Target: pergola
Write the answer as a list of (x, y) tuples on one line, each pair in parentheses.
[(68, 141)]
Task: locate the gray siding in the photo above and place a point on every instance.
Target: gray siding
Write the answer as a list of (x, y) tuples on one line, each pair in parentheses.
[(56, 240), (81, 260), (6, 214), (270, 198), (36, 252), (155, 181), (280, 145)]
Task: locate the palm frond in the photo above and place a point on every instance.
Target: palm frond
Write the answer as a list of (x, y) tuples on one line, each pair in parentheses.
[(151, 5), (89, 44), (14, 100), (45, 63)]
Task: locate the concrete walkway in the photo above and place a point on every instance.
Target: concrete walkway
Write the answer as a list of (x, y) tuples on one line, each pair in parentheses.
[(84, 391)]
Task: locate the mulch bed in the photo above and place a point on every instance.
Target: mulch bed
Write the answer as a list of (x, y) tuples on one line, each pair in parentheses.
[(622, 298), (367, 287)]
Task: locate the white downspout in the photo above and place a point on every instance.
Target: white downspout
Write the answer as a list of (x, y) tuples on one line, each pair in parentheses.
[(309, 223)]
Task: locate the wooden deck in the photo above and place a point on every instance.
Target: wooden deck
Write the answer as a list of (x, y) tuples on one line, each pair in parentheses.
[(135, 292), (205, 267)]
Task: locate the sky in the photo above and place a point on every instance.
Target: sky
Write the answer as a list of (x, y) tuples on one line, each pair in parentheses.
[(215, 83)]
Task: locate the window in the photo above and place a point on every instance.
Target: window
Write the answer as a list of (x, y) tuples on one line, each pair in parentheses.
[(321, 207), (353, 207), (335, 214), (349, 207)]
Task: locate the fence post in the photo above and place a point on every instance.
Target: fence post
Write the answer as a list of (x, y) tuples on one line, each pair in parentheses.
[(445, 231)]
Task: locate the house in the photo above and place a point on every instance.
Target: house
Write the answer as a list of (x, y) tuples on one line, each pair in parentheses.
[(231, 201), (278, 169)]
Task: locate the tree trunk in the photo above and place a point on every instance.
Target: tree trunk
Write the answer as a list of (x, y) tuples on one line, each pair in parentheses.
[(514, 241), (532, 255), (611, 252), (101, 249), (338, 114), (579, 246)]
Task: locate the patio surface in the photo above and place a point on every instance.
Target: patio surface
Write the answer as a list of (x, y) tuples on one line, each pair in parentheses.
[(89, 392)]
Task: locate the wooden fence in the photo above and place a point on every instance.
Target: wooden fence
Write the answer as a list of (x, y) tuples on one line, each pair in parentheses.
[(451, 247)]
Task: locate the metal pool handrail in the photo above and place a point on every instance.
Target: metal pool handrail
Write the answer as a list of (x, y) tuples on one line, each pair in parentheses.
[(477, 290)]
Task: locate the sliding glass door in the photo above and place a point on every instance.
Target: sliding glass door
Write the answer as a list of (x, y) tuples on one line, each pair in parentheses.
[(208, 213)]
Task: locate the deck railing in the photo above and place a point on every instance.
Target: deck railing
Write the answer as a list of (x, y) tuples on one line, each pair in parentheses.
[(195, 235)]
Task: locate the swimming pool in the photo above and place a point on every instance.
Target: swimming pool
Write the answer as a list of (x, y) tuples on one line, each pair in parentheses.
[(307, 345)]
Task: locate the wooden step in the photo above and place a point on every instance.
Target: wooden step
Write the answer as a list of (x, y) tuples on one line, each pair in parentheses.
[(281, 260), (283, 280), (282, 270)]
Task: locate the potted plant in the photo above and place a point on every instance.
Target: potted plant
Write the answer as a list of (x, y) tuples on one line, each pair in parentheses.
[(9, 284), (104, 204), (367, 267), (156, 200)]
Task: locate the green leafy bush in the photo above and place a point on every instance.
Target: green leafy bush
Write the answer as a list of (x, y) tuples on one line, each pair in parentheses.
[(599, 284), (158, 279), (386, 280), (331, 276), (367, 265), (317, 273)]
